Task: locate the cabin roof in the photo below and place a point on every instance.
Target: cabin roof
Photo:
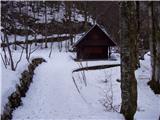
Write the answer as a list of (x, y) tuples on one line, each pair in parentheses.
[(96, 25)]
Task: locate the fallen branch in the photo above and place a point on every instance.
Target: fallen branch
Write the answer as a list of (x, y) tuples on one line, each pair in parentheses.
[(96, 67), (57, 39)]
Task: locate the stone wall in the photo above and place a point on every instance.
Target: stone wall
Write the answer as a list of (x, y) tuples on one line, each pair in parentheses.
[(14, 100)]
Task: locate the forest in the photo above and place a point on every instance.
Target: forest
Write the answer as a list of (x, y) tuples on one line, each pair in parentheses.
[(38, 60)]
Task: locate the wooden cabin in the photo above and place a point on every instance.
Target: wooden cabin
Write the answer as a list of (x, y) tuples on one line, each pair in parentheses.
[(94, 45)]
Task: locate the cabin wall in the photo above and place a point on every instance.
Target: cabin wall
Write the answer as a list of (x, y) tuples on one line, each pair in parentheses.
[(90, 52)]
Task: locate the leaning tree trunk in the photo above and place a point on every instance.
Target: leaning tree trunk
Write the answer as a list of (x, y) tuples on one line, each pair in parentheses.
[(128, 80)]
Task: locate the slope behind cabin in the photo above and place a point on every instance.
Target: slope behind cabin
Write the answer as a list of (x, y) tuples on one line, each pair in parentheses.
[(94, 45)]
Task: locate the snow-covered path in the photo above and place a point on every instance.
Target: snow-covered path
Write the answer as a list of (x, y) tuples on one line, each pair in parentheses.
[(148, 102), (54, 96)]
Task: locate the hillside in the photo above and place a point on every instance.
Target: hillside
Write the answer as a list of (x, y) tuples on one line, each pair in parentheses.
[(48, 18)]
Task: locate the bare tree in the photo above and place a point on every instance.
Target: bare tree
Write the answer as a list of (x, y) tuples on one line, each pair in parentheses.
[(34, 10), (13, 66), (26, 31), (9, 52), (4, 55)]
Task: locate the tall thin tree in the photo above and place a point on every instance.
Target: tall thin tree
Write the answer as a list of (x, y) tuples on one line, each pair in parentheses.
[(45, 3)]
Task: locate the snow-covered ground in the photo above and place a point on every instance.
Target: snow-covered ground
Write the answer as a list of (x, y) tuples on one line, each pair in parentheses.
[(58, 93), (148, 102), (9, 78), (53, 94)]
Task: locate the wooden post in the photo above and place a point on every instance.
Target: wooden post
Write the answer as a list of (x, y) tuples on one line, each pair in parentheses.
[(109, 51)]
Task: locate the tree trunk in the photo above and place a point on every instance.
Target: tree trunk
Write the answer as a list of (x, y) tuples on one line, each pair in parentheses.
[(138, 35), (15, 39), (13, 65), (69, 14), (45, 26), (157, 72), (85, 15), (128, 80), (158, 44), (154, 39), (26, 37), (9, 51), (34, 15)]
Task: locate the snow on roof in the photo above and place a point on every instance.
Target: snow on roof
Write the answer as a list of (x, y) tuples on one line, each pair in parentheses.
[(105, 32)]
